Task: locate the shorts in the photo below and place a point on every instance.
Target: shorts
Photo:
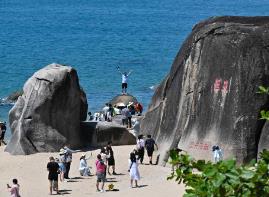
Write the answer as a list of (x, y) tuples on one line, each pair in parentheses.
[(150, 152), (124, 85), (53, 177), (101, 177), (111, 161)]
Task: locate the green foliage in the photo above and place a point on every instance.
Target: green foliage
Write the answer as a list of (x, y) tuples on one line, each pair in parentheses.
[(263, 90), (225, 178)]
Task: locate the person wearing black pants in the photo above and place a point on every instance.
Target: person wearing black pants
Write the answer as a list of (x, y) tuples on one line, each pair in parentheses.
[(140, 148), (67, 169)]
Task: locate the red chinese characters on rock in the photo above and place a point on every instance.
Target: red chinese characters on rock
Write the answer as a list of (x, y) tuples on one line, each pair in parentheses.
[(218, 85), (199, 146), (225, 86)]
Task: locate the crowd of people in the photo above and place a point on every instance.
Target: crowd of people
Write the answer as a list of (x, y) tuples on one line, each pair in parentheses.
[(58, 168), (126, 113)]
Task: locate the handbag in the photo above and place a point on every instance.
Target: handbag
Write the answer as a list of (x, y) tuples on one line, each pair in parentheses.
[(130, 167)]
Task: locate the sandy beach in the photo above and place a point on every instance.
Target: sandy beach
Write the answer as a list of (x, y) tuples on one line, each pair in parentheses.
[(32, 174)]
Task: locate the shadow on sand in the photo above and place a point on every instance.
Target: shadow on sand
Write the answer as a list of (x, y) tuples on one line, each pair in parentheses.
[(65, 191)]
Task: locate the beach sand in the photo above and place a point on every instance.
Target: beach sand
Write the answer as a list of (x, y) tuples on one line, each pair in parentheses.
[(32, 175)]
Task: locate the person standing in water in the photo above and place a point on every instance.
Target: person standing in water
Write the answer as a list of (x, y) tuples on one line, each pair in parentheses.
[(124, 76)]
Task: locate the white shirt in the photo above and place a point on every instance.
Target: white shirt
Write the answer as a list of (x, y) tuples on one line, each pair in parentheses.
[(124, 78), (83, 164), (104, 157), (105, 109), (140, 143)]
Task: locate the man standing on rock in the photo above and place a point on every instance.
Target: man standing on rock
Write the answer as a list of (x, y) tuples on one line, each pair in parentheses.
[(149, 144), (124, 76)]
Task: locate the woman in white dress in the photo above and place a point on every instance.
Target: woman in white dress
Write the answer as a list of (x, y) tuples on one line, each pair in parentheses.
[(133, 169)]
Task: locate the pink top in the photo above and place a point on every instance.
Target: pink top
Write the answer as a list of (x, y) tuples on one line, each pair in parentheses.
[(100, 167), (14, 191)]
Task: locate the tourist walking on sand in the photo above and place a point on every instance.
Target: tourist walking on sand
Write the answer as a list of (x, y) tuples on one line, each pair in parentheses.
[(53, 169), (149, 144), (84, 169), (110, 160), (14, 189), (124, 76), (133, 170), (100, 173), (140, 144)]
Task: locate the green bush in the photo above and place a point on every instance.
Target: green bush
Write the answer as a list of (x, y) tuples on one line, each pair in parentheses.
[(225, 178)]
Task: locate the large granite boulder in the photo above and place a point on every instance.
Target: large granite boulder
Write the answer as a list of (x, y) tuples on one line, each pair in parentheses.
[(125, 99), (210, 95), (97, 134), (49, 112)]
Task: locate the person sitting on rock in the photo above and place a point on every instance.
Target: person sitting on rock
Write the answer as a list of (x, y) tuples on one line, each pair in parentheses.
[(124, 76)]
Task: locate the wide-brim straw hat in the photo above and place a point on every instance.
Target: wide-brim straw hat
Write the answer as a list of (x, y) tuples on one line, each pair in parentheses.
[(83, 155), (62, 151)]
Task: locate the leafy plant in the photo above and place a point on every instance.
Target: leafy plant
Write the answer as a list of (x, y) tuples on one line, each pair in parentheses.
[(225, 178)]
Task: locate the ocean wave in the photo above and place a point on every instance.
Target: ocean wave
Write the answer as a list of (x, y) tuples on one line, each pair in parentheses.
[(6, 101), (153, 87)]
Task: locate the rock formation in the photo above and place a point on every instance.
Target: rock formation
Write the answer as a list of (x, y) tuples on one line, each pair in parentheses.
[(210, 95), (49, 112), (125, 99), (97, 134)]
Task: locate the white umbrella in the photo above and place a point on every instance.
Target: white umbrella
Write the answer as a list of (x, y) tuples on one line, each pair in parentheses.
[(120, 105)]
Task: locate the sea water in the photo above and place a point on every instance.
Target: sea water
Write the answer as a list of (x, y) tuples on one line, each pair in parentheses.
[(95, 36)]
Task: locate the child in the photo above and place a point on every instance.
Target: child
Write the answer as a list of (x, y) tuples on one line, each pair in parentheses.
[(133, 169), (53, 169), (61, 168), (14, 189), (100, 173)]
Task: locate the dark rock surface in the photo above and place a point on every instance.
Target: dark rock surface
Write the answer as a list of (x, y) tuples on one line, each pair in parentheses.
[(97, 134), (49, 112), (123, 99), (209, 97)]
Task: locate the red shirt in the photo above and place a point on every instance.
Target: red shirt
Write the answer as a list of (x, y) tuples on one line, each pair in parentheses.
[(100, 166)]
